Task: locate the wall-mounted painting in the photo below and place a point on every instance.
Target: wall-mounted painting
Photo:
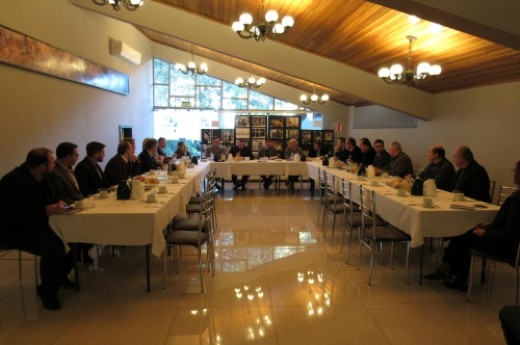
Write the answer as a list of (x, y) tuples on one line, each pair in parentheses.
[(19, 50)]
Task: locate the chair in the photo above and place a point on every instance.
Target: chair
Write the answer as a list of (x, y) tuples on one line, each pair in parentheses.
[(372, 235), (504, 192), (321, 186), (5, 251), (488, 255), (187, 236), (333, 204), (351, 215)]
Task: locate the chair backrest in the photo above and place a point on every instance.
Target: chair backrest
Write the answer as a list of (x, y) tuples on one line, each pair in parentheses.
[(346, 186), (329, 186), (504, 192), (368, 209), (492, 184)]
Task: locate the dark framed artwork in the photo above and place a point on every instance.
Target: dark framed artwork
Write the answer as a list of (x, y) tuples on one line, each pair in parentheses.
[(242, 121), (292, 133), (258, 121), (292, 122), (125, 132), (328, 135), (276, 133), (275, 122), (22, 51)]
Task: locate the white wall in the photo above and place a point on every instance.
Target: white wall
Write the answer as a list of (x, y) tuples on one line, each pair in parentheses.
[(486, 119), (39, 110)]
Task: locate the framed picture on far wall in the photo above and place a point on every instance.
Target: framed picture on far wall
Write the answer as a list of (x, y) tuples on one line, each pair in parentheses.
[(292, 133), (258, 133), (292, 122), (258, 121), (306, 137), (275, 121), (242, 133), (227, 136), (242, 121), (276, 133), (328, 135)]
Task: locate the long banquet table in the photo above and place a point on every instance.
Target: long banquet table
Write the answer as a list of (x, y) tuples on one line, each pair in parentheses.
[(259, 167), (130, 222)]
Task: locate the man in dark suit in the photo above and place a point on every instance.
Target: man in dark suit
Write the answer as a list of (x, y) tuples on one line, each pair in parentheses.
[(241, 151), (118, 167), (471, 178), (89, 174), (134, 163), (27, 199), (67, 156), (147, 157)]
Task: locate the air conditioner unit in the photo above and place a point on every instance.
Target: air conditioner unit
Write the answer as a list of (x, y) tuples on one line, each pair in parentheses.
[(124, 51)]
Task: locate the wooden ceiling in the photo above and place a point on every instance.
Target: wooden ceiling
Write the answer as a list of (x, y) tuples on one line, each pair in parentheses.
[(362, 35)]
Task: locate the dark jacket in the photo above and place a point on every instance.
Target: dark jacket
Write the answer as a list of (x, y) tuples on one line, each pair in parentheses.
[(23, 202), (355, 155), (90, 177), (245, 152), (473, 181), (400, 165), (381, 160), (147, 162), (67, 186), (117, 169), (443, 173), (367, 158)]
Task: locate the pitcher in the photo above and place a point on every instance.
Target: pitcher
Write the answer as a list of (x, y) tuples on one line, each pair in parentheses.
[(429, 188)]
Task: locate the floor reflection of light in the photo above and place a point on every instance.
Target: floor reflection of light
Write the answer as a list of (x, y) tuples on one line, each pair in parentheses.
[(260, 323), (318, 297)]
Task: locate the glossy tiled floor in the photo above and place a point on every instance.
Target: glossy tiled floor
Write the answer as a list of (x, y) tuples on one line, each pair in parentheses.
[(277, 281)]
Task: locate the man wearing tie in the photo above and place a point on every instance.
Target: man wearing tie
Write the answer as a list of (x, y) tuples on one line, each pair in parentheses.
[(89, 174)]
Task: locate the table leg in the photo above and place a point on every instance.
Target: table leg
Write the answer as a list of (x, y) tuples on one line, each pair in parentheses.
[(147, 250), (421, 258), (75, 263)]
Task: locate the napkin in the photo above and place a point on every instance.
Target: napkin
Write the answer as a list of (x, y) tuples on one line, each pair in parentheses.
[(462, 207)]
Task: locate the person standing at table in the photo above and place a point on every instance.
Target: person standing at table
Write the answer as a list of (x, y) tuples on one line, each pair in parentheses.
[(89, 174), (471, 179), (382, 158), (268, 151), (241, 151), (27, 198), (501, 236), (147, 157), (354, 153), (290, 151), (118, 167), (218, 152), (368, 154), (440, 169), (400, 164)]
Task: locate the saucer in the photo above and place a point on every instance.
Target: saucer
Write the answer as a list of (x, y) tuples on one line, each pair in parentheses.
[(431, 206)]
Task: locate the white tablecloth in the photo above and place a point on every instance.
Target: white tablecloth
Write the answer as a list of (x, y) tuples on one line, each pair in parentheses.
[(129, 222), (257, 168), (408, 214)]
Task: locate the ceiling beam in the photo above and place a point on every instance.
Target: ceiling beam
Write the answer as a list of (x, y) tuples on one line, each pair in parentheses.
[(273, 55), (494, 20)]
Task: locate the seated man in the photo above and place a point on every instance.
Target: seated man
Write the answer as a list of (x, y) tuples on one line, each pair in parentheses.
[(340, 151), (118, 167), (218, 152), (88, 172), (471, 178), (367, 151), (268, 151), (440, 169), (147, 156), (354, 153), (28, 196), (290, 151), (400, 164), (240, 151), (501, 236), (382, 158)]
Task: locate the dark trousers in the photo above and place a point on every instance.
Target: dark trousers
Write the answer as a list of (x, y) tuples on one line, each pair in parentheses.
[(268, 180), (510, 319), (243, 181), (55, 264)]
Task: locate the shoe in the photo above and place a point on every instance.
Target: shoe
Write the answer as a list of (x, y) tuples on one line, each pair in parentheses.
[(68, 285), (457, 284), (266, 186), (236, 186), (437, 275), (49, 300)]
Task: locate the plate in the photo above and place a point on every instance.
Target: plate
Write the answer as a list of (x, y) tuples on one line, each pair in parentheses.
[(278, 160)]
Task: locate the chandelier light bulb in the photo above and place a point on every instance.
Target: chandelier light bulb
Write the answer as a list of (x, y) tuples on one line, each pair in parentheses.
[(130, 5), (278, 29), (303, 98), (238, 26), (435, 70), (271, 16), (324, 98), (314, 97), (246, 19), (384, 72), (204, 67), (396, 69), (251, 80), (239, 81), (287, 22), (192, 65)]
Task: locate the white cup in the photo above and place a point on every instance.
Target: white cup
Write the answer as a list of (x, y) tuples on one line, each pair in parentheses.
[(248, 158), (103, 194), (427, 202), (150, 197), (163, 189)]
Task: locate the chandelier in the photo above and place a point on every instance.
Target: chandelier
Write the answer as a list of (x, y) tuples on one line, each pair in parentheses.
[(397, 75), (131, 5), (245, 27), (192, 66), (314, 98), (250, 82)]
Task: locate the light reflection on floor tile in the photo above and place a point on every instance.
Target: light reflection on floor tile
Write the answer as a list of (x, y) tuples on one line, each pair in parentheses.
[(277, 281)]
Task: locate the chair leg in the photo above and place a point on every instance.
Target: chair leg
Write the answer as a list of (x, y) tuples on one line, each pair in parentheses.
[(371, 265), (164, 270), (200, 269), (360, 252), (408, 263), (470, 278)]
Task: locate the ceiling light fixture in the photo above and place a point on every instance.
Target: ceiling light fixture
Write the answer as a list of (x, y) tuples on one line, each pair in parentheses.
[(245, 28), (130, 5), (397, 75), (192, 66), (314, 98), (250, 82)]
